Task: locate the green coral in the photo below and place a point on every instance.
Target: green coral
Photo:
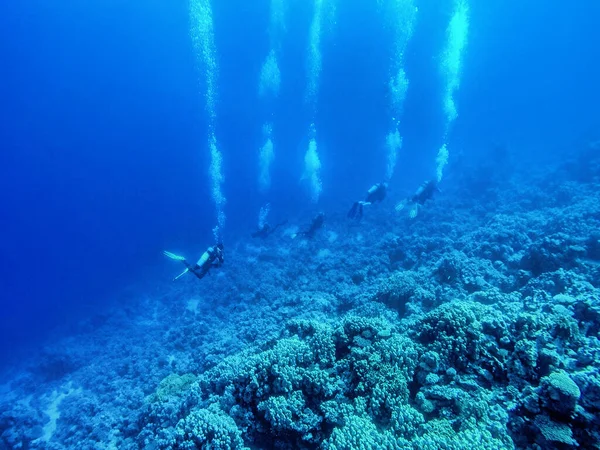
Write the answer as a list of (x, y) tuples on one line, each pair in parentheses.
[(382, 373), (554, 431), (290, 413), (453, 331), (173, 385), (209, 428), (560, 393), (403, 287), (359, 433), (361, 384), (441, 435)]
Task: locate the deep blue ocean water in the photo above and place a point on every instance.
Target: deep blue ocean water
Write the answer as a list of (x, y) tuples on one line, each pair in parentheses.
[(104, 161), (103, 130)]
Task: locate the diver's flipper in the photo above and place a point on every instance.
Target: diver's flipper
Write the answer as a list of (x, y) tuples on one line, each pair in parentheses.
[(181, 274), (400, 205), (414, 211), (173, 256)]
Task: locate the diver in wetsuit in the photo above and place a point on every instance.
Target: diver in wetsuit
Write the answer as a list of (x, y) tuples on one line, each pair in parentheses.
[(212, 257), (424, 193), (266, 230), (315, 225), (375, 194)]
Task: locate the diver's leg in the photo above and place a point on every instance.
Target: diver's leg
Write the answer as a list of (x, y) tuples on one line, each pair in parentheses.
[(352, 212), (200, 273)]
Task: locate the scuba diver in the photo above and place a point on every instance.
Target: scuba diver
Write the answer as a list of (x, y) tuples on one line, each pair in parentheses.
[(375, 194), (315, 225), (424, 193), (212, 257), (266, 230)]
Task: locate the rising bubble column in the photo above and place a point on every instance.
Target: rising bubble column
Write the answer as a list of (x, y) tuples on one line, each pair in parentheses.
[(203, 39), (451, 69), (268, 91), (402, 16), (323, 13)]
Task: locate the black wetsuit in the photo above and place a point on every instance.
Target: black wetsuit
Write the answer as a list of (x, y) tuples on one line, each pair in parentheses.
[(424, 193), (316, 223), (267, 230), (375, 194), (214, 258)]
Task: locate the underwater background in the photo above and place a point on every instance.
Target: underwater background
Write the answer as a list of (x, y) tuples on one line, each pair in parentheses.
[(130, 128)]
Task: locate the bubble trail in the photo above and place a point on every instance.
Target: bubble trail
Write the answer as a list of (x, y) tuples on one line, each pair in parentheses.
[(403, 15), (268, 90), (323, 16), (451, 69), (203, 40)]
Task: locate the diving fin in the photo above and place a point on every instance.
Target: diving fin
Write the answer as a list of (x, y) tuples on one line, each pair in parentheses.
[(414, 211), (173, 256), (181, 274)]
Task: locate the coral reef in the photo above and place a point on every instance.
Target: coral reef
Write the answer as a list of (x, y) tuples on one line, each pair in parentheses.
[(473, 326)]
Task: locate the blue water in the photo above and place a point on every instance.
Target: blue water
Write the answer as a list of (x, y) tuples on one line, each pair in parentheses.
[(103, 161), (103, 131)]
